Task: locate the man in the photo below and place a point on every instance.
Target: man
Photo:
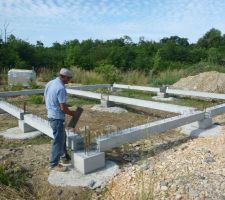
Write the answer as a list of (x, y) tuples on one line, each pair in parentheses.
[(55, 100)]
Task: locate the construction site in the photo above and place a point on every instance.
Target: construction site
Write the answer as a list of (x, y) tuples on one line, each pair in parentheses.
[(123, 139)]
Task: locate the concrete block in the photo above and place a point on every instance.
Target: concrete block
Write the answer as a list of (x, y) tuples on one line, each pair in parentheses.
[(25, 127), (105, 102), (162, 95), (163, 89), (205, 123), (86, 163), (75, 142)]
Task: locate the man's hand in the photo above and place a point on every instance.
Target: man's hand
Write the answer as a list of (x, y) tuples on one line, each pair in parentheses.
[(65, 109)]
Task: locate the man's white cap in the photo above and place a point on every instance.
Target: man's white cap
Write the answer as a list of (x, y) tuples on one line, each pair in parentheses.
[(65, 72)]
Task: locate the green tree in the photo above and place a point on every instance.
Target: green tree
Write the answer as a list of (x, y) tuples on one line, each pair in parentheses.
[(212, 38)]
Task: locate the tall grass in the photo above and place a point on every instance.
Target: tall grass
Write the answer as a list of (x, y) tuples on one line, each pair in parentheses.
[(46, 75), (167, 77), (86, 77), (93, 77), (204, 67), (135, 78)]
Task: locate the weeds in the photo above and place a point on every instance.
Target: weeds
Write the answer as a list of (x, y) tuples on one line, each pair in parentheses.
[(12, 175), (135, 77), (135, 94), (86, 77), (36, 99), (46, 75), (167, 77), (43, 139)]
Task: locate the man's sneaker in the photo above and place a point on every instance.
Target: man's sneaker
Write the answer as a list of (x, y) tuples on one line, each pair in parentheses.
[(59, 168)]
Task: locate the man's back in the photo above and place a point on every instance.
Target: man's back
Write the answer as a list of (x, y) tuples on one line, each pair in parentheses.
[(55, 93)]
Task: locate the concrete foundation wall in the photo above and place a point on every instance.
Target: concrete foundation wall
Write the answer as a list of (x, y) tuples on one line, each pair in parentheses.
[(89, 87), (216, 110), (21, 92), (11, 109), (87, 94), (190, 93), (198, 94), (133, 87), (151, 104), (39, 124), (144, 131)]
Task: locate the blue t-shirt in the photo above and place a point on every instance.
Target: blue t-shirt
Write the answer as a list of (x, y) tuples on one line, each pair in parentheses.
[(55, 93)]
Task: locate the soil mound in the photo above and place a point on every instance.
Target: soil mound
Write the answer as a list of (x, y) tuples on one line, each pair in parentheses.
[(211, 81)]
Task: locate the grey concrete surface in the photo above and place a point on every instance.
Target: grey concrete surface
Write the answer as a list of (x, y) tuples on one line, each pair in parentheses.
[(92, 180), (194, 130), (88, 162), (17, 134), (114, 109), (24, 127), (144, 131)]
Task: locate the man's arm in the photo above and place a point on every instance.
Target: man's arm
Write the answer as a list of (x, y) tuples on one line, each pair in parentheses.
[(65, 109)]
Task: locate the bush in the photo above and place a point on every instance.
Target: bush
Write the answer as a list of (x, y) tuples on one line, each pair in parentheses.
[(33, 85), (110, 73), (204, 67), (46, 75), (36, 99), (135, 77), (167, 77)]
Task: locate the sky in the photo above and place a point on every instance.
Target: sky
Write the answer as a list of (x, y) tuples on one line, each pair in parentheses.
[(52, 21)]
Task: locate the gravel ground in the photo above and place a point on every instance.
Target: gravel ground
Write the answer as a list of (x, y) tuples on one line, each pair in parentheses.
[(194, 169)]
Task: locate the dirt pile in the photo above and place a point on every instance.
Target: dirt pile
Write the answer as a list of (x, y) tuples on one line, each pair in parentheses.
[(207, 81)]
